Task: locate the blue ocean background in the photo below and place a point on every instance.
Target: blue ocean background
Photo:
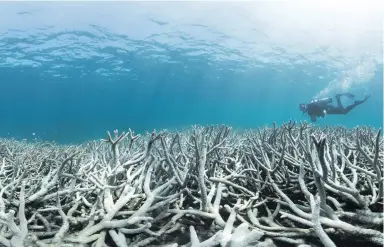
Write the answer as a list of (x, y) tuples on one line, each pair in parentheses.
[(70, 71)]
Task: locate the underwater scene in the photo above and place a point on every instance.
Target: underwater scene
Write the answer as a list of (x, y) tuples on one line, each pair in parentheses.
[(191, 123)]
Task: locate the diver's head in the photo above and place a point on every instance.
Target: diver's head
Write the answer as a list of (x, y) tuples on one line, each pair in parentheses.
[(303, 108)]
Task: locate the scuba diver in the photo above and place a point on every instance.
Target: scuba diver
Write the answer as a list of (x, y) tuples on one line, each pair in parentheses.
[(321, 107)]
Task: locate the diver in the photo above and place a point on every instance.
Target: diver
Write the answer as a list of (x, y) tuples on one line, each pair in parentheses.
[(321, 107)]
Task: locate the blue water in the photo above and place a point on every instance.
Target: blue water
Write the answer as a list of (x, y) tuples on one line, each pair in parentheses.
[(71, 71)]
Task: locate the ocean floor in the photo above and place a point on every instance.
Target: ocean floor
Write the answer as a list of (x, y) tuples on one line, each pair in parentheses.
[(289, 185)]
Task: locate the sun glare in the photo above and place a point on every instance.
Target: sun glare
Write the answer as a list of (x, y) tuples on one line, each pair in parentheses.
[(343, 6)]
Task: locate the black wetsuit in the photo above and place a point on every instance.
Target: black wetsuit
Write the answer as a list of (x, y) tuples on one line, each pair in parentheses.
[(319, 109)]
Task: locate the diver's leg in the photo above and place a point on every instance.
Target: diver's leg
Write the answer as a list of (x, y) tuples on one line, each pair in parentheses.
[(339, 105), (356, 103), (349, 95)]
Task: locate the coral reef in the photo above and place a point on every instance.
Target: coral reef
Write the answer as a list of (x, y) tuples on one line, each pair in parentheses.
[(289, 185)]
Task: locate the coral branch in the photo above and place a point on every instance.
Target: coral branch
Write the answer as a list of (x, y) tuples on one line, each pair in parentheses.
[(295, 184)]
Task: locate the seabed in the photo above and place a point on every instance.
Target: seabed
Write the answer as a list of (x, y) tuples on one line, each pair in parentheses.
[(289, 185)]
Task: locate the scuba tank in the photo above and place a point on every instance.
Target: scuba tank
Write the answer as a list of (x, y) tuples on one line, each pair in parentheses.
[(324, 101)]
